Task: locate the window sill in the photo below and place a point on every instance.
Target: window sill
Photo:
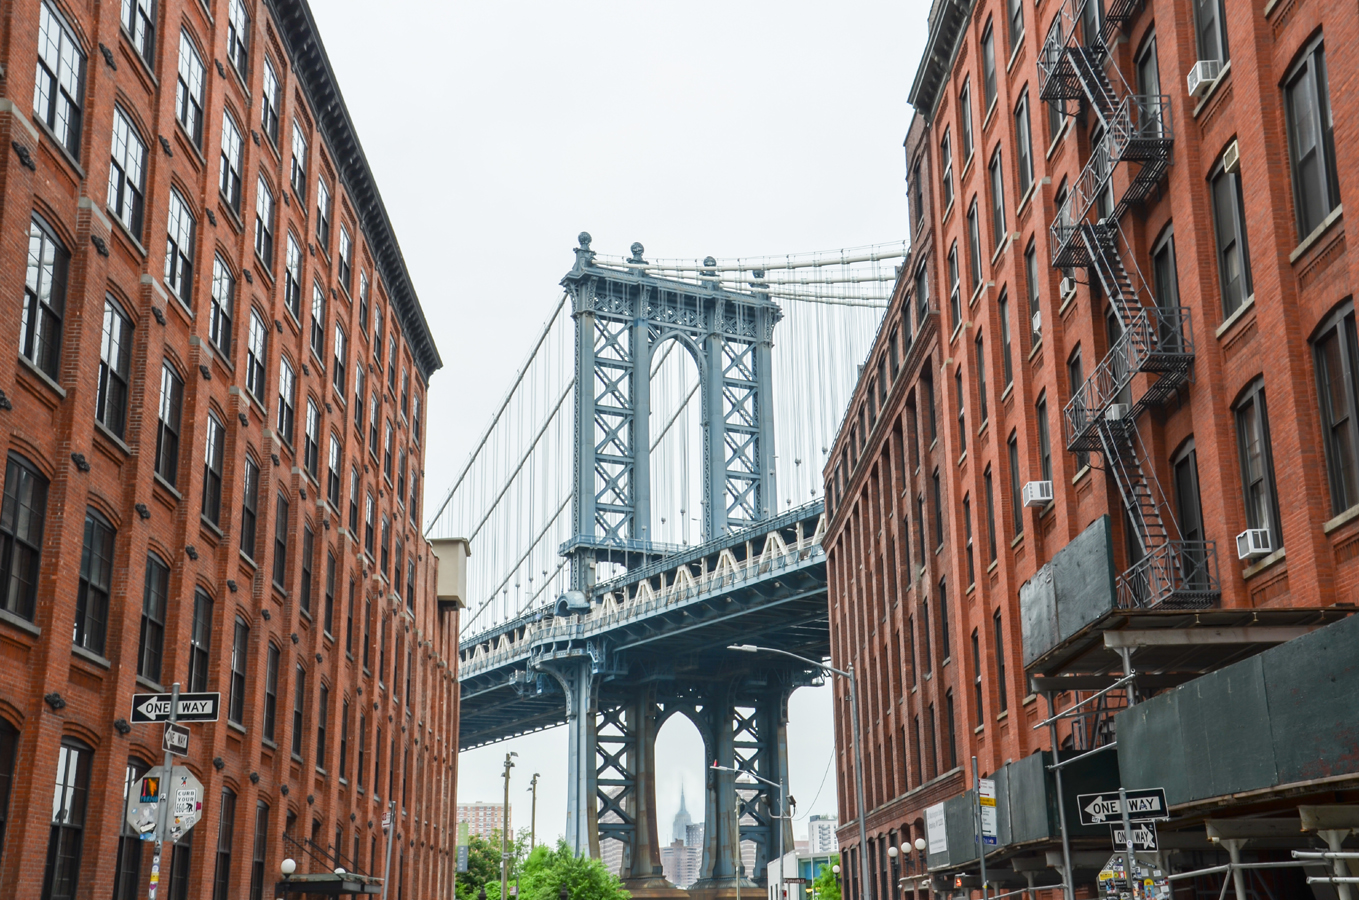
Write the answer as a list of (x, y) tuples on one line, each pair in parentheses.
[(1311, 239), (236, 726), (990, 111), (991, 568), (1018, 539), (1003, 716), (1212, 91), (979, 729), (1085, 470), (1014, 54), (186, 140), (1258, 567), (266, 268), (107, 434), (215, 529), (1346, 516), (232, 215), (297, 758), (971, 589), (1009, 389), (90, 656), (1037, 345), (17, 621), (962, 459), (1029, 699), (126, 232), (56, 142), (1057, 138), (1066, 304), (1246, 305), (1024, 200), (43, 377), (976, 292), (159, 481), (249, 561), (268, 743), (150, 685)]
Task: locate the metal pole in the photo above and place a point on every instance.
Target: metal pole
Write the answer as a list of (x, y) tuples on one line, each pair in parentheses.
[(387, 863), (533, 814), (1128, 859), (505, 833), (783, 810), (162, 806), (977, 825), (865, 884), (1067, 889)]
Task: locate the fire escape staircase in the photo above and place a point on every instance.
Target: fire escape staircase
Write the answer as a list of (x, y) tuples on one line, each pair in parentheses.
[(1156, 341)]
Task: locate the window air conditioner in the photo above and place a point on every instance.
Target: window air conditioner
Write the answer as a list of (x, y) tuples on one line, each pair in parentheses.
[(1038, 321), (1203, 75), (1038, 493), (1116, 411), (1067, 287), (1253, 542), (1231, 157)]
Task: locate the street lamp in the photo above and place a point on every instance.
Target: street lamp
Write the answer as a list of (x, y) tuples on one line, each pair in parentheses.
[(920, 846), (783, 812), (892, 855), (864, 878)]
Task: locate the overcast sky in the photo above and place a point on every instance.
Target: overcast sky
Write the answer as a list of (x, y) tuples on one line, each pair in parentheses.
[(499, 130)]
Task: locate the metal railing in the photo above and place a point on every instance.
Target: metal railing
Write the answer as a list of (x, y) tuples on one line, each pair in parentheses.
[(1176, 574)]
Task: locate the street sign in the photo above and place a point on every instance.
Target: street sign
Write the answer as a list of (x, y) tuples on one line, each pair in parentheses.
[(1144, 836), (986, 797), (186, 799), (192, 707), (935, 824), (797, 881), (176, 739), (1144, 805)]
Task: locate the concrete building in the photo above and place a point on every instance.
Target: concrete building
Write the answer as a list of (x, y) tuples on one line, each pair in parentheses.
[(681, 862), (1127, 234), (484, 818), (821, 835), (214, 423)]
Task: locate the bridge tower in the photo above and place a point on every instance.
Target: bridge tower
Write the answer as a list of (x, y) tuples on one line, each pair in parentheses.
[(622, 316)]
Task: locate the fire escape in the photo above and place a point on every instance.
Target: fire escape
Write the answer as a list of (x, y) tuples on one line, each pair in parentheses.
[(1156, 340)]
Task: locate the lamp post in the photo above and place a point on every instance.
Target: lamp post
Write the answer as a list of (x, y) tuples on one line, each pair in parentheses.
[(920, 846), (864, 878), (533, 814), (783, 814), (892, 855), (505, 830)]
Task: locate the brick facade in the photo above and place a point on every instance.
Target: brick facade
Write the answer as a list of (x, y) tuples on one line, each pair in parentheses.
[(887, 455), (367, 635)]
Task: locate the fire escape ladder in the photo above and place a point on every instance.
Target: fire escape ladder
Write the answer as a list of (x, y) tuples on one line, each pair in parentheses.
[(1120, 446), (1101, 242)]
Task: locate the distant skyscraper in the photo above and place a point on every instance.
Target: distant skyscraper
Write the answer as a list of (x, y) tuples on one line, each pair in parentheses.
[(682, 821), (681, 863), (693, 836), (821, 835), (482, 818)]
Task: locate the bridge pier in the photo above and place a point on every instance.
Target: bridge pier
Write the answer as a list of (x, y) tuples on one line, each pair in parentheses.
[(576, 676), (643, 874)]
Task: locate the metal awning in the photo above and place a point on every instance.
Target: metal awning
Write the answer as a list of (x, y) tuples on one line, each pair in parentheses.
[(330, 884)]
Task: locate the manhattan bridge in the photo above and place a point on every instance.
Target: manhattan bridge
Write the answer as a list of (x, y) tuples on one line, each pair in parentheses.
[(647, 494)]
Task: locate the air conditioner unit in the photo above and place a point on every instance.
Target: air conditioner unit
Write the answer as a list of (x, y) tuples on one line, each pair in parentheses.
[(1203, 75), (1067, 287), (1038, 321), (1038, 493), (1116, 412), (1231, 157), (1253, 542)]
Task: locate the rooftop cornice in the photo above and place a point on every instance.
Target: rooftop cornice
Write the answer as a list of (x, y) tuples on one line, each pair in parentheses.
[(947, 26)]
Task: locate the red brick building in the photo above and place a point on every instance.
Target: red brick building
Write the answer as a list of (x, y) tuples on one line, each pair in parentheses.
[(214, 422), (1109, 276)]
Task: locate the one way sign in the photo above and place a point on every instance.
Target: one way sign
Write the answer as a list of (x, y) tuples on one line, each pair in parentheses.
[(192, 707), (1144, 805)]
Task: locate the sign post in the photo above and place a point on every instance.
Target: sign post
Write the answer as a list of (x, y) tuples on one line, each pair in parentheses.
[(162, 806), (978, 818)]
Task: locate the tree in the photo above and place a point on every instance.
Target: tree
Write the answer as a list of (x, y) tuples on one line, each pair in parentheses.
[(827, 884), (483, 865), (547, 871)]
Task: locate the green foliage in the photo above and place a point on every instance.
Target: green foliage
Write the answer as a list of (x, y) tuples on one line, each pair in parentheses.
[(546, 871), (483, 866), (827, 884)]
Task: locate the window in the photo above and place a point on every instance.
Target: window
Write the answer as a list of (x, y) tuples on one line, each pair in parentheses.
[(974, 247), (990, 515), (1311, 140), (1016, 14), (997, 202), (180, 865), (917, 195), (981, 383), (221, 878), (323, 216), (349, 622), (238, 37), (1075, 373), (115, 353), (1031, 283), (250, 507), (298, 171), (988, 48), (9, 740), (367, 631), (287, 383), (377, 335), (59, 86), (292, 277), (1023, 136), (179, 247), (167, 428), (240, 646), (1336, 351), (308, 547), (1211, 30), (96, 582), (386, 545), (139, 21), (387, 450), (1257, 463), (406, 390), (127, 174), (391, 361), (401, 476), (1233, 252), (1167, 284), (967, 534), (69, 801), (346, 258), (322, 712), (270, 691), (232, 152), (938, 510), (340, 351), (189, 90), (212, 470), (312, 441), (946, 151), (359, 404), (410, 582), (200, 640), (373, 401), (281, 542), (261, 849), (354, 501), (965, 119), (1003, 310), (151, 647), (1044, 445), (318, 320), (1016, 479), (264, 223), (955, 300), (344, 746), (414, 505), (360, 768), (299, 704), (958, 397), (255, 355), (369, 525), (363, 301), (416, 420), (223, 299), (328, 618), (333, 474), (1185, 471), (1001, 693), (928, 383), (270, 103), (1149, 81), (127, 875), (44, 297)]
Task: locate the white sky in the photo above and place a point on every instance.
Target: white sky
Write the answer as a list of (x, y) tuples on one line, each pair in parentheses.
[(498, 131)]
